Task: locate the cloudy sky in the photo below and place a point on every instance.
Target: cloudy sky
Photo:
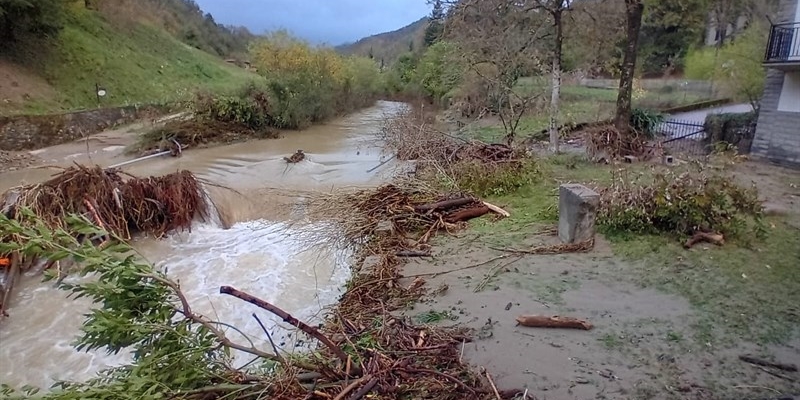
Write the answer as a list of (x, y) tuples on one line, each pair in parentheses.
[(320, 21)]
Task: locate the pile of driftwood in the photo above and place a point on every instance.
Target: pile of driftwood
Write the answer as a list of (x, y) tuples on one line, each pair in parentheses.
[(412, 139), (197, 133), (391, 356), (118, 203)]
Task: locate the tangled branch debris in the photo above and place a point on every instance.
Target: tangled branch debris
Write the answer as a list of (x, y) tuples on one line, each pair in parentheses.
[(197, 133), (396, 359), (116, 202), (606, 142)]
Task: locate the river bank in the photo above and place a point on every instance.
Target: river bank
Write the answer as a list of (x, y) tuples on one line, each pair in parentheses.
[(655, 327), (253, 232)]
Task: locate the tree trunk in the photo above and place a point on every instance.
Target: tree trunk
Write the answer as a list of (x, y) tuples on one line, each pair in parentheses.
[(633, 11), (556, 89)]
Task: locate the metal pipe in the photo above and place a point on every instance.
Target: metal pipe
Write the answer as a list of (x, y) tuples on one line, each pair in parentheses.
[(135, 160), (177, 151)]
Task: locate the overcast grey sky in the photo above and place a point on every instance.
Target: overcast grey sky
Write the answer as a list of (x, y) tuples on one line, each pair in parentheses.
[(320, 21)]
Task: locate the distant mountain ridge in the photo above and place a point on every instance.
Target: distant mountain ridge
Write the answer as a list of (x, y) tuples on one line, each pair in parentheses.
[(388, 46)]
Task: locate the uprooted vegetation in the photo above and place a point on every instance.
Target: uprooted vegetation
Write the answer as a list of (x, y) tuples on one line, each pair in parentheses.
[(118, 203), (680, 203), (216, 119), (366, 348), (457, 163)]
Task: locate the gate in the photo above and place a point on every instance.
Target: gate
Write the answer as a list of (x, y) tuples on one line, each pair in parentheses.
[(684, 137)]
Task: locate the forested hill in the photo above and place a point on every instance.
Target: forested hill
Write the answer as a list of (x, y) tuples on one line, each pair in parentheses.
[(54, 52), (389, 46)]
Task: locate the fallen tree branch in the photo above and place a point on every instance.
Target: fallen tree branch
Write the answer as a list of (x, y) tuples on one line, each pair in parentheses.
[(480, 264), (444, 205), (497, 210), (466, 215), (491, 382), (352, 386), (286, 317), (765, 363), (186, 310), (412, 253), (564, 248), (713, 238), (541, 321)]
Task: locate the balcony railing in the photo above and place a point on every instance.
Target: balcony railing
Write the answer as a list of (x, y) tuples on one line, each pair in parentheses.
[(784, 43)]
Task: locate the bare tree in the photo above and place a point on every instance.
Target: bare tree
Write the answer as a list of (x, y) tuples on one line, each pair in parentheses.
[(556, 9), (497, 39), (633, 15)]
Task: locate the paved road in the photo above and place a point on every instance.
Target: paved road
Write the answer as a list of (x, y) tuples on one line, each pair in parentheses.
[(687, 121), (699, 116)]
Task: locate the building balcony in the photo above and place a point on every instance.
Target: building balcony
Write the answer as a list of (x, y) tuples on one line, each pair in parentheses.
[(783, 47)]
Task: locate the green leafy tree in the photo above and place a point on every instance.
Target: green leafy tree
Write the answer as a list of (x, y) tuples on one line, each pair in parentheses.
[(37, 18), (669, 30), (739, 66), (435, 27), (439, 70)]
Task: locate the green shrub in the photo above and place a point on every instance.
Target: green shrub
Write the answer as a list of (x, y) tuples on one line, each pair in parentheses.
[(736, 129), (250, 108), (645, 121), (680, 204), (494, 179), (310, 84)]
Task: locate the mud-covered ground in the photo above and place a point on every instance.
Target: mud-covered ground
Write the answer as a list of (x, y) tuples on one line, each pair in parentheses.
[(12, 160), (669, 323)]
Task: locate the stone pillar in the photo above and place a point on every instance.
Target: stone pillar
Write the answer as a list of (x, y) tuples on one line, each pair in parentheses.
[(577, 210)]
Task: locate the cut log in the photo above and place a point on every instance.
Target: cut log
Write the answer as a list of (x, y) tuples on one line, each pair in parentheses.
[(541, 321), (713, 238), (466, 215), (497, 210), (444, 205)]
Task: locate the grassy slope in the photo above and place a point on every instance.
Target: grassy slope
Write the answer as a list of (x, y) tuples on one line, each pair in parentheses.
[(136, 64)]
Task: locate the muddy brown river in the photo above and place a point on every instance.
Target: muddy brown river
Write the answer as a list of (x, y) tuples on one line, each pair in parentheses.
[(256, 249)]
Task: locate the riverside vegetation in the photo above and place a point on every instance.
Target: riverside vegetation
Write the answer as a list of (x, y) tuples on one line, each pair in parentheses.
[(646, 212)]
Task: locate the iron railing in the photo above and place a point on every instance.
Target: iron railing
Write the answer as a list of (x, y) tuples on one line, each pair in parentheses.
[(683, 138), (784, 43)]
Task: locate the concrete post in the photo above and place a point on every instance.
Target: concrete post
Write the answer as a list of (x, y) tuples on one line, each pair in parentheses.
[(577, 211)]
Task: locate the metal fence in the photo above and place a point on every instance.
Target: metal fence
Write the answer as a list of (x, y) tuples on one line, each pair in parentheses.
[(684, 137), (784, 43)]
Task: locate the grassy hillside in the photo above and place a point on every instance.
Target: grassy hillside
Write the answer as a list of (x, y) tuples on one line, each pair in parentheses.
[(136, 63), (389, 46)]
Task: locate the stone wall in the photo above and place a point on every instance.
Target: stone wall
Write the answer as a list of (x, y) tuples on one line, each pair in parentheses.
[(778, 132), (28, 132)]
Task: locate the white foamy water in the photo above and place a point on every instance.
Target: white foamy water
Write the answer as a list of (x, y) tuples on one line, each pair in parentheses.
[(260, 257)]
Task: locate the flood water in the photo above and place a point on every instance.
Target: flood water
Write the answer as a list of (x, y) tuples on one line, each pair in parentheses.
[(257, 249)]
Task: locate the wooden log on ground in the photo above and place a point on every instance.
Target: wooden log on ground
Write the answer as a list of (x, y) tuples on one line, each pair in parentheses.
[(541, 321), (713, 238), (286, 317), (497, 210), (444, 205), (765, 363), (466, 215)]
